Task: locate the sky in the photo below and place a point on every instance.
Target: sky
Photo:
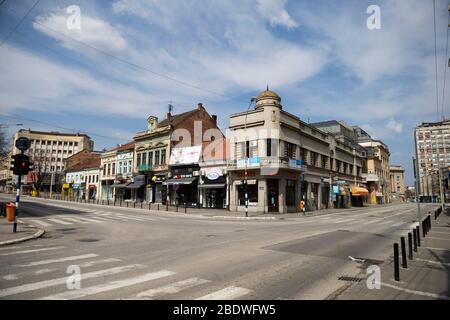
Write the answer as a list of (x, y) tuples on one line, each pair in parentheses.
[(127, 60)]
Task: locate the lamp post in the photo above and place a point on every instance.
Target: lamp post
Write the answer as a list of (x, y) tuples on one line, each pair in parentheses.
[(246, 157)]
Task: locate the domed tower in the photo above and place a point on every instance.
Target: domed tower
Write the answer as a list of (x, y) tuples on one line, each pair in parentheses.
[(268, 98)]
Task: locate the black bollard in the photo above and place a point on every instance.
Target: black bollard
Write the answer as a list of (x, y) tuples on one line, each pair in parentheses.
[(410, 246), (415, 239), (403, 246), (185, 207), (424, 228), (418, 235), (158, 206), (396, 263), (176, 207), (149, 206), (141, 205)]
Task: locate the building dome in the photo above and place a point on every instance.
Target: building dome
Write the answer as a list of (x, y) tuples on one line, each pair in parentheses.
[(268, 94)]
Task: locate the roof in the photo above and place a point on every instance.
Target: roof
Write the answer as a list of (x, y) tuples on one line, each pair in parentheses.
[(268, 94), (55, 133), (87, 163), (176, 119), (126, 146)]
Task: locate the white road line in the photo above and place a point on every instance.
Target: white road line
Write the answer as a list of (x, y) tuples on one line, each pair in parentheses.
[(226, 294), (42, 223), (433, 262), (371, 221), (89, 220), (54, 282), (398, 224), (344, 220), (421, 293), (95, 262), (10, 248), (9, 277), (129, 218), (75, 220), (59, 221), (441, 249), (49, 261), (171, 288), (438, 238), (385, 222), (74, 294), (97, 217), (19, 275), (31, 251)]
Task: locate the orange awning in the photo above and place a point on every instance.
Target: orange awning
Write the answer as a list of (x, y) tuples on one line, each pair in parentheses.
[(359, 191)]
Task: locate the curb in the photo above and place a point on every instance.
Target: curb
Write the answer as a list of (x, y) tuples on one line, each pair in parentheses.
[(247, 218), (38, 234)]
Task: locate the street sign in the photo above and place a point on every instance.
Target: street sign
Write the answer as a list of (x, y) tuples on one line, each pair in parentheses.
[(23, 143)]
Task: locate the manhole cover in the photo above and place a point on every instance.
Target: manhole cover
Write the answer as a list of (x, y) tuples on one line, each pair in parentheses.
[(350, 279), (88, 240)]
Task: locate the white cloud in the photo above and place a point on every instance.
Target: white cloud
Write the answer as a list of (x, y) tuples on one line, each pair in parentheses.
[(394, 126), (93, 31), (275, 12)]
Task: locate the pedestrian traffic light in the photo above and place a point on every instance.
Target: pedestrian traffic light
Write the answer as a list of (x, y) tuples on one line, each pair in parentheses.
[(21, 164)]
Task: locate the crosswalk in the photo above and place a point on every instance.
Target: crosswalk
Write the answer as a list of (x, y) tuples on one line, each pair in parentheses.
[(87, 216), (372, 222), (110, 277)]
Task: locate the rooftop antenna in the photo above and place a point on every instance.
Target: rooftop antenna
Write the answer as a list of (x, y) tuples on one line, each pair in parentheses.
[(170, 106)]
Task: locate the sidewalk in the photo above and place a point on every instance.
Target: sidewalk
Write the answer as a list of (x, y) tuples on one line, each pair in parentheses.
[(427, 275), (24, 232)]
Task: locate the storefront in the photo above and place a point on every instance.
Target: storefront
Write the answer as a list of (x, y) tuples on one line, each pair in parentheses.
[(359, 196), (137, 188), (156, 190), (92, 192), (213, 188), (107, 190), (66, 192), (121, 193), (341, 194), (183, 190)]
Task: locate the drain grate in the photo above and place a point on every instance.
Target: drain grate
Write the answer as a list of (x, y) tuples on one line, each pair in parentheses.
[(351, 279)]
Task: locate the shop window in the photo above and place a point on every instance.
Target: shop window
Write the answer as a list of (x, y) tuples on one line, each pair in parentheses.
[(114, 168), (138, 160), (289, 150), (252, 190), (157, 159), (144, 158), (290, 193), (163, 156), (150, 158)]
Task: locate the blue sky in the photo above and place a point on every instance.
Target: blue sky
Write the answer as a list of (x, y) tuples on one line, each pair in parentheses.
[(319, 56)]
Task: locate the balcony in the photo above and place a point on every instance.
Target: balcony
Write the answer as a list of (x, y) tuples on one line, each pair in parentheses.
[(266, 162), (144, 167)]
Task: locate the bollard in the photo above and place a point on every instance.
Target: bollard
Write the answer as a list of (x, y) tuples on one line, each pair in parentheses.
[(415, 239), (424, 228), (149, 206), (176, 207), (403, 246), (141, 205), (127, 204), (185, 207), (396, 263), (158, 206), (167, 206), (418, 236), (410, 247), (121, 202)]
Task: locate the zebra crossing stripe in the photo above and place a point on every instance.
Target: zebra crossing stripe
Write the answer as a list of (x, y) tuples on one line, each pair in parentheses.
[(385, 222), (59, 221), (42, 223), (371, 221), (171, 288), (129, 217), (49, 261), (93, 263), (90, 220), (398, 224), (58, 281), (74, 294), (31, 251), (226, 294), (75, 220)]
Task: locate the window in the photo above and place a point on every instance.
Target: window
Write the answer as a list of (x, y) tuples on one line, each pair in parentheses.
[(240, 150), (75, 144), (163, 156), (157, 158), (138, 160), (70, 143), (65, 143), (114, 168), (289, 150), (303, 155), (150, 158), (313, 158), (109, 169), (324, 161), (290, 192), (269, 147), (144, 158), (104, 169), (130, 163), (252, 191), (96, 178)]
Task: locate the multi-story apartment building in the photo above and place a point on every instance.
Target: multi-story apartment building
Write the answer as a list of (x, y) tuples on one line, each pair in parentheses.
[(284, 160), (397, 174), (433, 154), (108, 161), (153, 147), (48, 151)]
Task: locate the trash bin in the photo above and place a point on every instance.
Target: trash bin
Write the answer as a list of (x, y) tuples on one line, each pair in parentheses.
[(10, 211)]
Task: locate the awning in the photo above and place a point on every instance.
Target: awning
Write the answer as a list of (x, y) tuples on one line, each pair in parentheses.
[(120, 185), (212, 186), (180, 181), (359, 191), (135, 185)]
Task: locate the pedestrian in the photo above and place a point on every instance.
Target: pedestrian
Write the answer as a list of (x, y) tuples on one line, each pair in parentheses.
[(302, 207)]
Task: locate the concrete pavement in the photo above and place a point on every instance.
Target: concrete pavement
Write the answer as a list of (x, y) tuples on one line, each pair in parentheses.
[(132, 253)]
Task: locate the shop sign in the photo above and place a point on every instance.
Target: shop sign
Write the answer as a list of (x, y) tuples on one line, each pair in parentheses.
[(295, 163), (213, 175), (251, 162), (335, 189), (186, 155), (66, 185)]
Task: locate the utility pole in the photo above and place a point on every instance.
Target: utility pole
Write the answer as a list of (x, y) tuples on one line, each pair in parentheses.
[(416, 177)]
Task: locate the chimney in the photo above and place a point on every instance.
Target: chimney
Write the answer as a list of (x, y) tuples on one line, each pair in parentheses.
[(200, 106), (214, 117)]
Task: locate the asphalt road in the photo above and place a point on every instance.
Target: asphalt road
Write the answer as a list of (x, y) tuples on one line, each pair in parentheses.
[(138, 254)]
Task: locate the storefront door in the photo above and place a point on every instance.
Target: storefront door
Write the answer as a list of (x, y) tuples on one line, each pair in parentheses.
[(272, 194)]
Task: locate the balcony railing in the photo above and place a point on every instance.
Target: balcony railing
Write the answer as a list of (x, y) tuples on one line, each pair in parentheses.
[(144, 167)]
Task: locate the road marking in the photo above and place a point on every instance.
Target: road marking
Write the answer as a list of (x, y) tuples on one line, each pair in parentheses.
[(421, 293), (89, 220), (74, 294), (9, 248), (398, 224), (385, 222), (129, 217), (54, 282), (42, 223), (438, 238), (100, 218), (42, 271), (371, 221), (171, 288), (226, 294), (74, 220), (93, 263), (344, 220), (441, 249), (10, 277), (49, 261), (433, 262), (31, 251), (59, 221)]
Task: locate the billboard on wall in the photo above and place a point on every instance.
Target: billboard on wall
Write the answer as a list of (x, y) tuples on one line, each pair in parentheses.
[(185, 155)]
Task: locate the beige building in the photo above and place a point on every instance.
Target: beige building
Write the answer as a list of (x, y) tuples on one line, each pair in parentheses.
[(285, 160), (397, 175), (5, 173), (432, 153), (108, 174), (49, 150)]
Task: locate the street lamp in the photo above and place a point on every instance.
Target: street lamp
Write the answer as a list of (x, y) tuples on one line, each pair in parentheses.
[(246, 157)]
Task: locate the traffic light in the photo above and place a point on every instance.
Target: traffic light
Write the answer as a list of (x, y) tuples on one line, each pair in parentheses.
[(21, 164)]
